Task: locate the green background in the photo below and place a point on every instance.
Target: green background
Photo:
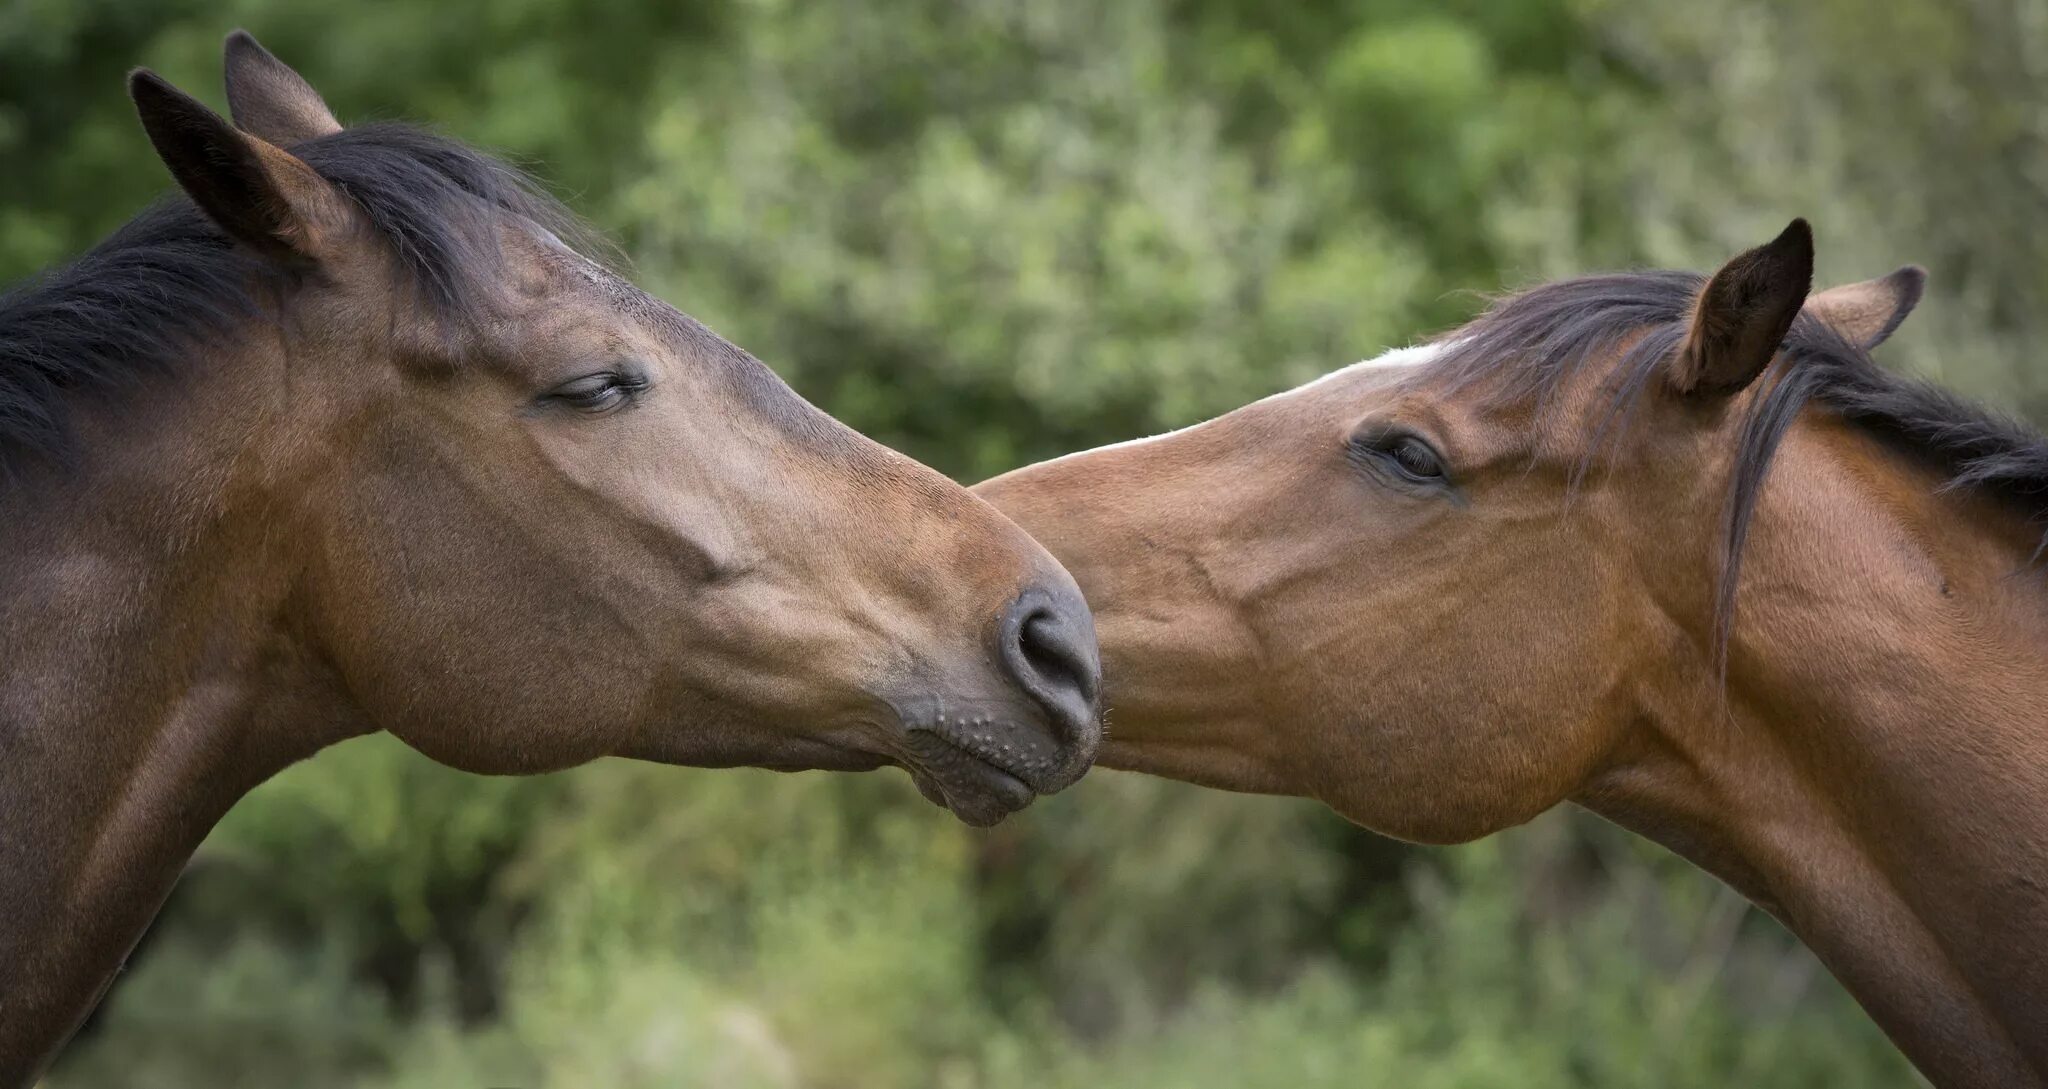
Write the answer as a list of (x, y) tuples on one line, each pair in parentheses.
[(987, 232)]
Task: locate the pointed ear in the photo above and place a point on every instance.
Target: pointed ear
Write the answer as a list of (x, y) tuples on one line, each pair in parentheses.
[(1870, 312), (262, 196), (1743, 314), (270, 101)]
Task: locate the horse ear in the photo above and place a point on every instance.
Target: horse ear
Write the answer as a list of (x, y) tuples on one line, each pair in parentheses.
[(1870, 312), (259, 194), (270, 101), (1743, 314)]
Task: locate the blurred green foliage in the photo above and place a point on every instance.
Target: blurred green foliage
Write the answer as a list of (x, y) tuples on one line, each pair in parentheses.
[(987, 231)]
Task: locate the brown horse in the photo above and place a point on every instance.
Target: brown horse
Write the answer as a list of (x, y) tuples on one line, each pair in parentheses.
[(356, 438), (1445, 590)]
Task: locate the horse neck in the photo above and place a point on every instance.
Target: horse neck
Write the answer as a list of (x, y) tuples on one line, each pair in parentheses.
[(152, 677), (1878, 775)]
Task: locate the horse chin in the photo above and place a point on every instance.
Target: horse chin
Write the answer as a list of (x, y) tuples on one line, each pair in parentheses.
[(980, 767), (981, 805), (974, 788)]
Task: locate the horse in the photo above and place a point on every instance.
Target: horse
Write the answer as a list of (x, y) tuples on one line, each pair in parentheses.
[(364, 432), (1672, 547)]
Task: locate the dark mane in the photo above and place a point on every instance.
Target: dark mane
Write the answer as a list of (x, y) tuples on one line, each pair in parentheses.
[(170, 281), (1549, 333)]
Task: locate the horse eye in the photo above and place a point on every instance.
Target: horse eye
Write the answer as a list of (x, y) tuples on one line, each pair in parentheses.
[(1416, 458), (597, 392), (1404, 455)]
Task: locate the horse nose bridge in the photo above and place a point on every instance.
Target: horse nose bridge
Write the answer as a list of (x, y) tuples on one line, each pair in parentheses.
[(927, 519)]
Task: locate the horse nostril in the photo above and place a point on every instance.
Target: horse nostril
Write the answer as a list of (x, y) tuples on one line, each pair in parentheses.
[(1050, 652), (1048, 648)]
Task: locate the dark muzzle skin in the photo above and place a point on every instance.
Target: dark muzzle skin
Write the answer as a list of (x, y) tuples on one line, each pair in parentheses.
[(986, 761), (1046, 644)]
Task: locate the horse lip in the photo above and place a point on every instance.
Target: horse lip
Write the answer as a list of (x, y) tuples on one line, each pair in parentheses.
[(979, 788)]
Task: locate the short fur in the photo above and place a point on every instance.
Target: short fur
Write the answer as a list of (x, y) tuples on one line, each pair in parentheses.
[(171, 280), (1530, 345), (1438, 655)]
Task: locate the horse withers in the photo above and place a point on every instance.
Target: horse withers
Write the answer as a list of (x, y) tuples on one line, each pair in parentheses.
[(355, 435), (1448, 588)]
